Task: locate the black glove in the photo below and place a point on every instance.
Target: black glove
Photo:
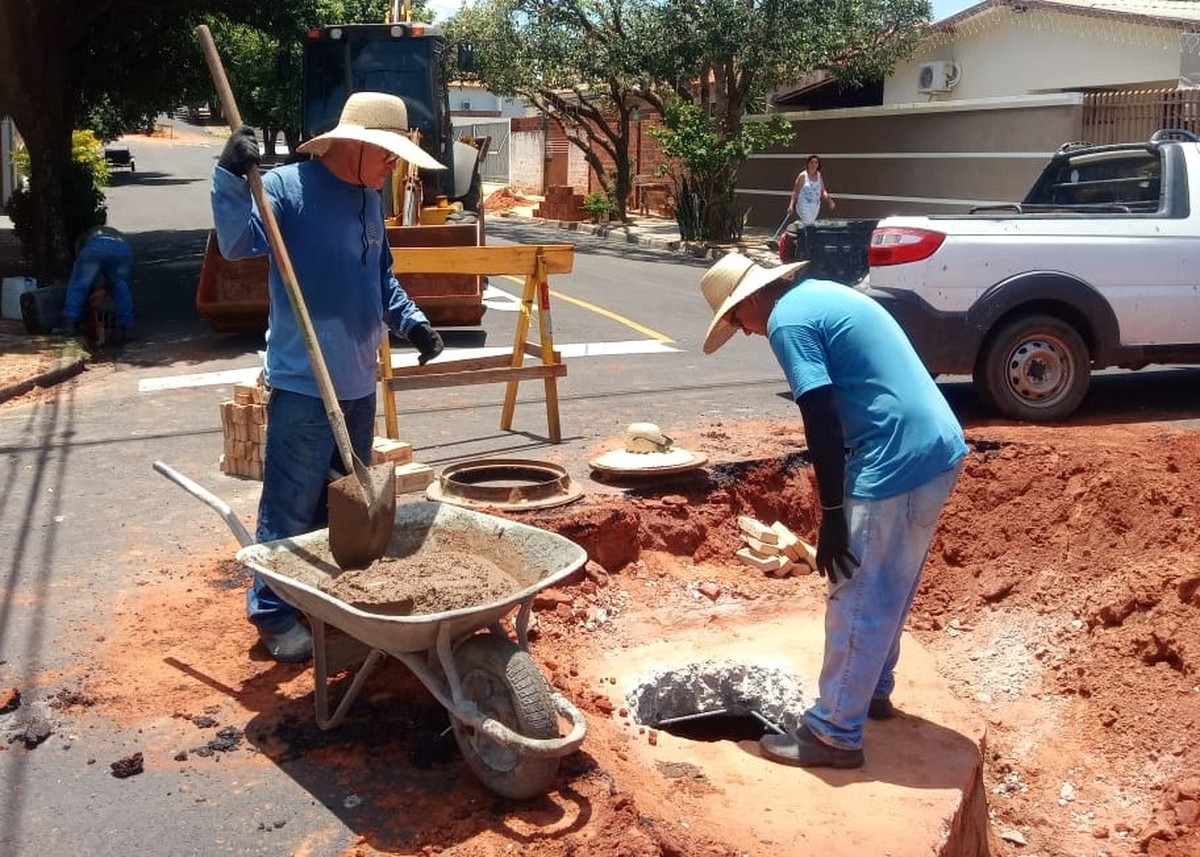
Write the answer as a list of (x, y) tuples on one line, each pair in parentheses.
[(241, 150), (426, 340), (833, 547)]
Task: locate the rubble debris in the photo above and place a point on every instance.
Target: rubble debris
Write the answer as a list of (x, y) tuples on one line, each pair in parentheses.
[(128, 766), (10, 700)]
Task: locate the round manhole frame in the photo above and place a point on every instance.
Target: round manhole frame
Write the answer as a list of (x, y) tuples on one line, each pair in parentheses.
[(458, 484)]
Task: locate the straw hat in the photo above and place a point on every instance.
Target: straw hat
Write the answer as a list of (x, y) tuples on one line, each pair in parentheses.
[(379, 119), (729, 282), (647, 450)]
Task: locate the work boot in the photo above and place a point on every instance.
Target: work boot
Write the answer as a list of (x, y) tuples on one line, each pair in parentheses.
[(881, 708), (292, 646), (66, 328), (806, 750)]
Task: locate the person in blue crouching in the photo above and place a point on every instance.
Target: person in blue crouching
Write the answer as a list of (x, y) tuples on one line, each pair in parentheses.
[(102, 252), (330, 213), (886, 451)]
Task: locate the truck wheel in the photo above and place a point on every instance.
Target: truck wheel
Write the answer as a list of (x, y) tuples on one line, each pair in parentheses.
[(1035, 369), (503, 681)]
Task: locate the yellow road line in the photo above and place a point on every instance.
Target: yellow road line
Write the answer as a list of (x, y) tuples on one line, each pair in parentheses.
[(620, 319)]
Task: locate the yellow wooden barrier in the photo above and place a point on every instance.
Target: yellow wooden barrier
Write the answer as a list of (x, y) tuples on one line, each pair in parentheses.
[(536, 262)]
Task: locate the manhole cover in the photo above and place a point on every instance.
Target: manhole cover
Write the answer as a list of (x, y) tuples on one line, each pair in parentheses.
[(508, 483)]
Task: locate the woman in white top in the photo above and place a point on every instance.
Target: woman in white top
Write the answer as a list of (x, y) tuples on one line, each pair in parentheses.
[(808, 192)]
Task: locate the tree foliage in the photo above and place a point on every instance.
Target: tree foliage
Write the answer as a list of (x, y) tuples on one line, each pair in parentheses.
[(579, 62), (113, 65), (703, 64), (60, 59)]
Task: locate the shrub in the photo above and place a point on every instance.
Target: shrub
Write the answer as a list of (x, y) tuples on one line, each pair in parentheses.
[(598, 205), (84, 180)]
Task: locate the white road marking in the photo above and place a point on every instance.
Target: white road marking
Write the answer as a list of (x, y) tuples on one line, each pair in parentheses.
[(409, 358)]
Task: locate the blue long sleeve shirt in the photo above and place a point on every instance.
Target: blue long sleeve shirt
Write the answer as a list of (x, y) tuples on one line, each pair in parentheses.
[(336, 240)]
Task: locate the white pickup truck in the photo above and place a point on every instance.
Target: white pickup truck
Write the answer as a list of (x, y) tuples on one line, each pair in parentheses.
[(1099, 266)]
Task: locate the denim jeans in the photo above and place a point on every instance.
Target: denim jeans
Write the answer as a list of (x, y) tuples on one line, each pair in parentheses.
[(111, 257), (864, 616), (300, 452)]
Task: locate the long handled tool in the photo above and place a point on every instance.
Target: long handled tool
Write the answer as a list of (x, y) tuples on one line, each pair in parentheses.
[(362, 505)]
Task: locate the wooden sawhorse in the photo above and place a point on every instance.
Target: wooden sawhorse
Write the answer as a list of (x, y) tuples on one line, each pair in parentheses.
[(536, 262)]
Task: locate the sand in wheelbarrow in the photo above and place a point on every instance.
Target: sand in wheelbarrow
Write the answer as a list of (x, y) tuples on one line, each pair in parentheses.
[(457, 570)]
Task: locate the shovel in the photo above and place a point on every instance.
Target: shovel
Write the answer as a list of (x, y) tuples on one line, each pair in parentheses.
[(362, 505)]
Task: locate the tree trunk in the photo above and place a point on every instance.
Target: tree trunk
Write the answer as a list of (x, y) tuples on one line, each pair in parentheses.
[(36, 91)]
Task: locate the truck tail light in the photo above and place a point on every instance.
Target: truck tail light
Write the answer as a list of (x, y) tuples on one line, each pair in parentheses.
[(896, 245)]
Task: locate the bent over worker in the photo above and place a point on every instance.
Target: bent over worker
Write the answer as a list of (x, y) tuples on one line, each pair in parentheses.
[(886, 451), (101, 252), (330, 213)]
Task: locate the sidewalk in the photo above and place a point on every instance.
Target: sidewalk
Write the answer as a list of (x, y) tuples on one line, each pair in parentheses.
[(645, 230)]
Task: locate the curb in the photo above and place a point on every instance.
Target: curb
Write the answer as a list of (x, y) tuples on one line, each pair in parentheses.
[(64, 370), (627, 235)]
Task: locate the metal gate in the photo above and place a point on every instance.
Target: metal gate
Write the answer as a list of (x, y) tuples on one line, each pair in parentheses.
[(495, 161)]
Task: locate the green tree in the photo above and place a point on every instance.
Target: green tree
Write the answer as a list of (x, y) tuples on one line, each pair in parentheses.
[(59, 59), (579, 62), (715, 61), (703, 64)]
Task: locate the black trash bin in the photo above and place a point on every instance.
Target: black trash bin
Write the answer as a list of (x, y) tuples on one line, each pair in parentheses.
[(42, 308), (835, 249)]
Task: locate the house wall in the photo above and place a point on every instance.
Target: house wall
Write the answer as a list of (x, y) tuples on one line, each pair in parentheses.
[(1004, 52), (915, 158), (526, 158), (472, 100)]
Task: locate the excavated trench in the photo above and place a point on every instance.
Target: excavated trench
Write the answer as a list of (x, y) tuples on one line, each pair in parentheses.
[(1060, 598)]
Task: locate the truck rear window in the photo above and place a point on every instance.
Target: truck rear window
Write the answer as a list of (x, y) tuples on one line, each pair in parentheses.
[(1131, 179)]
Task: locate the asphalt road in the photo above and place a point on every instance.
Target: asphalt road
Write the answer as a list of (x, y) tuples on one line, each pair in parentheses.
[(79, 502)]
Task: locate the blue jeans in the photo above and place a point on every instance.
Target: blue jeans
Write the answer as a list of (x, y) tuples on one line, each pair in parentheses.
[(864, 616), (300, 452), (111, 257)]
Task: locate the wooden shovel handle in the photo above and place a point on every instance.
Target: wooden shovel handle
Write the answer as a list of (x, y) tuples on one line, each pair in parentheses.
[(333, 410)]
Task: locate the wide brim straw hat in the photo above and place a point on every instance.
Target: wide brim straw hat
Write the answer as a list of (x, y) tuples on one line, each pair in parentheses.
[(647, 450), (379, 119), (729, 282)]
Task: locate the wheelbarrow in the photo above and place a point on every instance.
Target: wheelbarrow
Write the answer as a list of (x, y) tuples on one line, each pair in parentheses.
[(504, 714)]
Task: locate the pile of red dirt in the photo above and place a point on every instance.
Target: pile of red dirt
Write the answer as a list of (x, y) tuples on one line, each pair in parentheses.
[(1061, 598), (504, 199)]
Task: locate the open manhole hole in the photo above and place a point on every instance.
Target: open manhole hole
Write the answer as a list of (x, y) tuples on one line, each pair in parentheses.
[(714, 701), (507, 483)]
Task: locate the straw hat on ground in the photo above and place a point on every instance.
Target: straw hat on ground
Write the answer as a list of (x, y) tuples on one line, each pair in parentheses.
[(729, 282), (647, 450), (379, 119)]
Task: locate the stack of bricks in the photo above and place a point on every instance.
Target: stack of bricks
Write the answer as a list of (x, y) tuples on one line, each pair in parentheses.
[(411, 476), (244, 425), (561, 203), (774, 550)]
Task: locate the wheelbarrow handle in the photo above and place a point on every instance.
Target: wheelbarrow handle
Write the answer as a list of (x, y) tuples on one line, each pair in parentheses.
[(216, 503)]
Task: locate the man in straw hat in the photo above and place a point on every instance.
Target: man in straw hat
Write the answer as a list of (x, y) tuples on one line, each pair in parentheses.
[(331, 215), (886, 451)]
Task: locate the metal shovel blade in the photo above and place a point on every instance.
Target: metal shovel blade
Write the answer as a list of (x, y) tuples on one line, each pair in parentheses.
[(361, 521)]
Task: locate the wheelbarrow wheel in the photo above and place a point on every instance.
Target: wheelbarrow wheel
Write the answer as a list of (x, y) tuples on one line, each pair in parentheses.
[(501, 679)]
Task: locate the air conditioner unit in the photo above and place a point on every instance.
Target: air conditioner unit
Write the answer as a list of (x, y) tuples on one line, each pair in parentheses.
[(937, 76)]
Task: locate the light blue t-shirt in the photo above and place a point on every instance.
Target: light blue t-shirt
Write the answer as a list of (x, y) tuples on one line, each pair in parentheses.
[(899, 430), (335, 238)]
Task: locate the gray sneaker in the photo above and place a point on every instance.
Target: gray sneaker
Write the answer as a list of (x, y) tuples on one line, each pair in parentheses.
[(292, 646)]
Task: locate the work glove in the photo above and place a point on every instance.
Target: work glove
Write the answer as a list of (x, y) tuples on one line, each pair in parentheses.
[(834, 556), (241, 150), (426, 340)]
